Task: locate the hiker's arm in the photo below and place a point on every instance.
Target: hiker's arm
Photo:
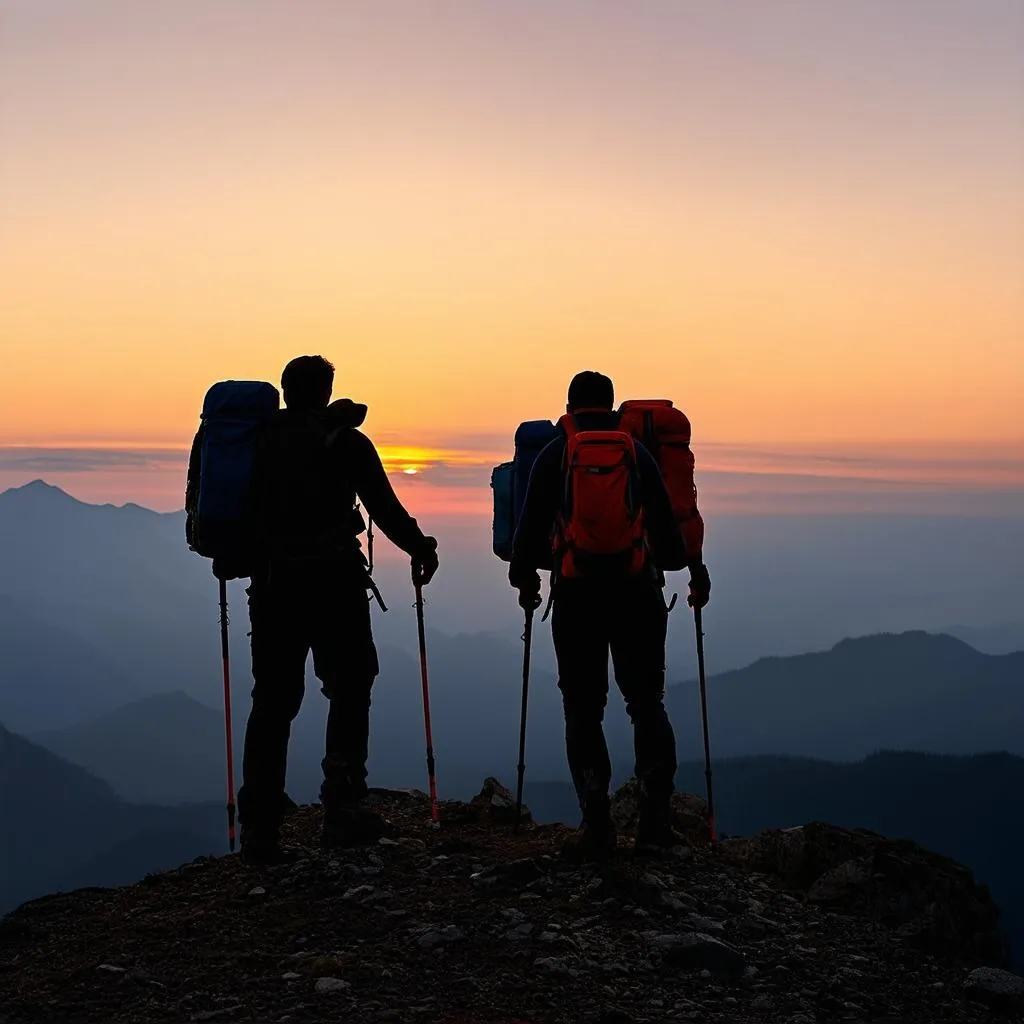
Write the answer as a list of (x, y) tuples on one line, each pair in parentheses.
[(374, 489), (666, 539), (531, 549)]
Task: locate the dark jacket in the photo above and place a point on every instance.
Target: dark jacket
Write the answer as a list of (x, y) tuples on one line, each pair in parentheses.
[(312, 471), (532, 546)]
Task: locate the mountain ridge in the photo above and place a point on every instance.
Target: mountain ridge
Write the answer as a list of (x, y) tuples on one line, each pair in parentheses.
[(472, 924), (61, 825)]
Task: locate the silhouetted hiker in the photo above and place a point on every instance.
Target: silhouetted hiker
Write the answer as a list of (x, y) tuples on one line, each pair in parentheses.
[(309, 592), (598, 513)]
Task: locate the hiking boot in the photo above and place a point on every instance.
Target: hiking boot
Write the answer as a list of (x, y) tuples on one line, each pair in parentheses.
[(594, 840), (655, 836), (349, 825), (265, 850)]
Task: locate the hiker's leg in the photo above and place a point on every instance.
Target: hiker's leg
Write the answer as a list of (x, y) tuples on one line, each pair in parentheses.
[(345, 662), (279, 650), (579, 631), (639, 632)]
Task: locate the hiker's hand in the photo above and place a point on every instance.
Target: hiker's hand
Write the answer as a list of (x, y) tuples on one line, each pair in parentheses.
[(700, 586), (528, 585), (529, 597), (425, 564), (225, 569)]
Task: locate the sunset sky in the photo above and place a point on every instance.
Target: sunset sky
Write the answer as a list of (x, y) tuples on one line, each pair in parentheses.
[(802, 220)]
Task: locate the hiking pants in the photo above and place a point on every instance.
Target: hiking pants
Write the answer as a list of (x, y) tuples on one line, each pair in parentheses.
[(629, 620), (291, 617)]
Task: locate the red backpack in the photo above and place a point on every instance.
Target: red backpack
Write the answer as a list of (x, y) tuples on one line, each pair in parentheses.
[(665, 432), (600, 530)]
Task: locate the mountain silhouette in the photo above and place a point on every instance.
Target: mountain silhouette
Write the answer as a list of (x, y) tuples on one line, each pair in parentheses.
[(909, 691), (164, 749), (49, 675), (119, 579), (1003, 639), (61, 828)]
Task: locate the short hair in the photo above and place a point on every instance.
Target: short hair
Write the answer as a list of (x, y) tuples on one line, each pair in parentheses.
[(591, 390), (307, 382)]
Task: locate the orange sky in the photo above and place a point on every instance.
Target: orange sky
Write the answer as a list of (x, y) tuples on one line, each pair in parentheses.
[(804, 226)]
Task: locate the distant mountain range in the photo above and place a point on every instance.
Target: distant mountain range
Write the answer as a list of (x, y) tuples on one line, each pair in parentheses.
[(121, 581), (50, 675), (1004, 639), (61, 828), (165, 749), (911, 691)]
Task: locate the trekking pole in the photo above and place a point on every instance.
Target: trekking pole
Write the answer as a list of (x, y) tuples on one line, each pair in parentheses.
[(435, 813), (699, 623), (226, 663), (527, 641)]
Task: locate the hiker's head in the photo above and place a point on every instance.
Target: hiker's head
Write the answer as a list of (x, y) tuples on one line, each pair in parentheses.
[(307, 383), (590, 390)]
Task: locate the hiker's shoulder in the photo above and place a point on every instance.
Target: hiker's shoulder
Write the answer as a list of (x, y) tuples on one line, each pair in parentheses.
[(354, 449)]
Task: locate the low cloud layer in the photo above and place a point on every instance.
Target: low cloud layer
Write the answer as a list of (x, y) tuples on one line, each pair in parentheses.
[(42, 460), (454, 478)]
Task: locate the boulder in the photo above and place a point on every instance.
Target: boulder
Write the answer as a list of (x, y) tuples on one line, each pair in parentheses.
[(689, 813), (696, 951), (498, 803), (929, 901), (996, 988)]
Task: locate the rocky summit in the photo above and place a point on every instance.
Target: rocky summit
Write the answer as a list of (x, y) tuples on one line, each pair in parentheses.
[(474, 923)]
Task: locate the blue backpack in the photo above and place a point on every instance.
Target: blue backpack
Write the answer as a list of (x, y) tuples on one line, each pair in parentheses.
[(510, 480), (235, 415)]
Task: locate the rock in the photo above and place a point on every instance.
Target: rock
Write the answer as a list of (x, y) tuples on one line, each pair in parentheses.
[(494, 803), (257, 890), (931, 901), (996, 988), (689, 814), (521, 932), (328, 965), (331, 986), (552, 964), (836, 885), (111, 969), (359, 893), (218, 1014), (290, 976), (705, 925), (440, 937), (407, 797), (521, 870), (615, 1016), (696, 951)]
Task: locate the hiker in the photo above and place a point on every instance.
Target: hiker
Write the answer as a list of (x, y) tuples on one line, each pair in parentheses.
[(309, 592), (603, 603)]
